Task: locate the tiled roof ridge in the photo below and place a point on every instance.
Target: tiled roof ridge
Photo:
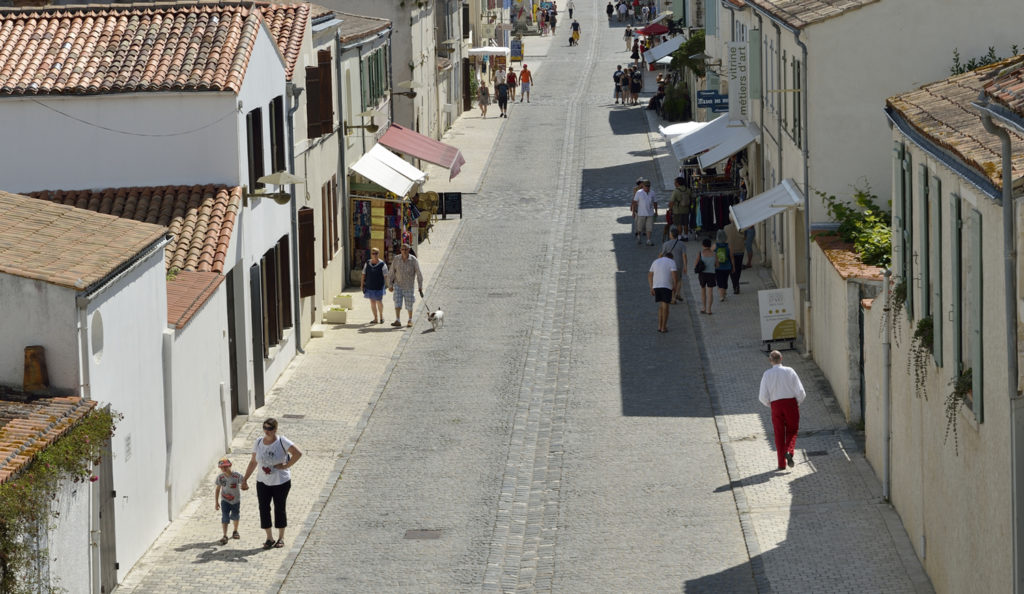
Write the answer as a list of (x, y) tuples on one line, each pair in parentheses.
[(941, 112), (286, 29), (811, 11), (126, 48), (22, 438), (199, 218), (1004, 84)]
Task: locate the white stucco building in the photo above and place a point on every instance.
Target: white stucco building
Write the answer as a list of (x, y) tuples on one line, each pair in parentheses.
[(950, 470), (818, 72)]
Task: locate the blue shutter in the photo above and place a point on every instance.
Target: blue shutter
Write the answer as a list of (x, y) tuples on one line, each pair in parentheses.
[(938, 317), (908, 232), (711, 18), (923, 222), (956, 255), (977, 284), (899, 209), (755, 63)]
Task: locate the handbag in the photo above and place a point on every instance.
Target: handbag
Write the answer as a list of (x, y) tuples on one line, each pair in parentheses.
[(699, 268)]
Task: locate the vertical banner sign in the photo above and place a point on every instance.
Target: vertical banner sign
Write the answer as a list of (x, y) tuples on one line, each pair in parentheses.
[(739, 82), (778, 316)]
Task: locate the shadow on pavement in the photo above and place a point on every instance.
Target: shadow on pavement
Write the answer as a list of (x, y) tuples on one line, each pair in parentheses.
[(626, 121)]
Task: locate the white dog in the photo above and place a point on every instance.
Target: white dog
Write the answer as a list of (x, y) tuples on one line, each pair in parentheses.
[(436, 318)]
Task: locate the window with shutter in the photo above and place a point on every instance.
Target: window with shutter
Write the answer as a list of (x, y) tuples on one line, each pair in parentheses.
[(936, 275), (307, 252), (335, 212), (284, 268), (326, 92), (313, 102), (325, 237), (907, 196), (924, 249), (976, 282), (278, 155), (254, 147)]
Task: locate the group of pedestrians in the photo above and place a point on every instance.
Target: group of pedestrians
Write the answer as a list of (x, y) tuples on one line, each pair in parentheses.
[(401, 279), (505, 86), (632, 11), (628, 84)]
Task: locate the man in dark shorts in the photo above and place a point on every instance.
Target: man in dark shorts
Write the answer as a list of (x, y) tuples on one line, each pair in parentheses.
[(617, 77), (501, 93), (662, 279)]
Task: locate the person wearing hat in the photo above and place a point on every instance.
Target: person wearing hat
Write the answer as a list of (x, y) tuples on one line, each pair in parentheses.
[(404, 276), (679, 204), (227, 497)]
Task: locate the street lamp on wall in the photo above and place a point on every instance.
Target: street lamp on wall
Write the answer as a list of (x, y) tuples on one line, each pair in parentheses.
[(280, 178)]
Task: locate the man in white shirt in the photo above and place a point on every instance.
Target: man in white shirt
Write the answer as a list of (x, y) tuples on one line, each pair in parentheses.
[(646, 210), (662, 279), (782, 391)]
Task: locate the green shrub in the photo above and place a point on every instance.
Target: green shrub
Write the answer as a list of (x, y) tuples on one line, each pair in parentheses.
[(864, 224)]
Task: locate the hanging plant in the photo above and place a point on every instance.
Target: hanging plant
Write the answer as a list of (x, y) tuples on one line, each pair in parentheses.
[(920, 354), (26, 500), (963, 385)]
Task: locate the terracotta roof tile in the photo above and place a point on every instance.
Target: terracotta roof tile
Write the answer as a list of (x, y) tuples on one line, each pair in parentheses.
[(354, 27), (65, 246), (27, 428), (287, 23), (1006, 86), (199, 219), (942, 112), (187, 293), (800, 13), (140, 47)]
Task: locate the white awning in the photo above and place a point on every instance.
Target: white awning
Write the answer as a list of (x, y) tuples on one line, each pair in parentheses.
[(490, 51), (388, 170), (661, 16), (698, 138), (731, 141), (663, 49), (765, 205)]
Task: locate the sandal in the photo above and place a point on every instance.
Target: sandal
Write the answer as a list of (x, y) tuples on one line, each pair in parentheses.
[(235, 535), (409, 325), (279, 544), (396, 324), (268, 544), (224, 540)]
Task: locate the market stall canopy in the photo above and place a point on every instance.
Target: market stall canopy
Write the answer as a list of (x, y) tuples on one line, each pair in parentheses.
[(653, 29), (663, 49), (730, 141), (389, 171), (490, 51), (409, 142), (690, 138), (765, 205)]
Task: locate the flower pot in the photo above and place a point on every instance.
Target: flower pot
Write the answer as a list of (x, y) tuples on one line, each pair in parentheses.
[(334, 316), (343, 300)]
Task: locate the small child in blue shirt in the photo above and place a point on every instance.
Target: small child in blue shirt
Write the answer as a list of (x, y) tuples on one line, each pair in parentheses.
[(228, 497)]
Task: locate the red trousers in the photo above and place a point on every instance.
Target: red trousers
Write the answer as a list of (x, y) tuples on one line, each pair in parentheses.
[(786, 422)]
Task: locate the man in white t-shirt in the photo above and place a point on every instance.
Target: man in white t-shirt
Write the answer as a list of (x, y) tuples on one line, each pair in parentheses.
[(646, 210), (662, 279)]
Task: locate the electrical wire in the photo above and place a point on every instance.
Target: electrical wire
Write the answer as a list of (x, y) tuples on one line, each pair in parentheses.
[(129, 133)]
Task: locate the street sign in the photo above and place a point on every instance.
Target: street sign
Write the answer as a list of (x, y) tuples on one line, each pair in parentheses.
[(717, 102), (517, 50)]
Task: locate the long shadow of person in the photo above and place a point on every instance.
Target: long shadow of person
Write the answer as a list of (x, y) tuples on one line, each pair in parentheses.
[(212, 551)]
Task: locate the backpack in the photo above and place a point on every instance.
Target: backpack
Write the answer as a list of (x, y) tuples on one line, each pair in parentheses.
[(638, 77), (617, 76), (722, 254)]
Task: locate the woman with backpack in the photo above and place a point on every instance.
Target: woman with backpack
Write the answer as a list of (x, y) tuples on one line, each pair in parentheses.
[(274, 454)]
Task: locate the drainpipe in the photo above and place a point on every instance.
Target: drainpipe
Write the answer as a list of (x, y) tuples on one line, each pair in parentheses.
[(886, 378), (342, 177), (1010, 299), (291, 96), (807, 173)]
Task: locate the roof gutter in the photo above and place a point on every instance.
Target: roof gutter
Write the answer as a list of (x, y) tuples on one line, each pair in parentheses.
[(1010, 299)]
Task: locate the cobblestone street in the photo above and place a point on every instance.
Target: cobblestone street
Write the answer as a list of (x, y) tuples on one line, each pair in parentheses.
[(547, 438)]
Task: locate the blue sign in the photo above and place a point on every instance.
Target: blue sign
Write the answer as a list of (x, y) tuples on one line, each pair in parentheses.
[(714, 100), (517, 50)]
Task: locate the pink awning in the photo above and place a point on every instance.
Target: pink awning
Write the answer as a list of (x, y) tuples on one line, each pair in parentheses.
[(409, 142)]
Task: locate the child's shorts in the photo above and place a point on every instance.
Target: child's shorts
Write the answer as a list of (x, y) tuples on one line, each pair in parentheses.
[(228, 511)]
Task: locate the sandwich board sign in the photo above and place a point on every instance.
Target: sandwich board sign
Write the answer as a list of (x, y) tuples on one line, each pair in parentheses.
[(778, 316)]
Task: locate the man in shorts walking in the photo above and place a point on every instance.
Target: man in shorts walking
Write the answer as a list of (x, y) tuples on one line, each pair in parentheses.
[(679, 204), (525, 82), (662, 279), (646, 210), (403, 277)]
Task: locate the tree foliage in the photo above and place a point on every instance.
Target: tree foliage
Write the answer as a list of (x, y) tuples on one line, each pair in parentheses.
[(864, 224), (681, 57), (989, 57)]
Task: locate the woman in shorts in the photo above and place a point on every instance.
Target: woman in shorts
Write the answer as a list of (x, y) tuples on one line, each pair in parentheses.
[(707, 277)]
